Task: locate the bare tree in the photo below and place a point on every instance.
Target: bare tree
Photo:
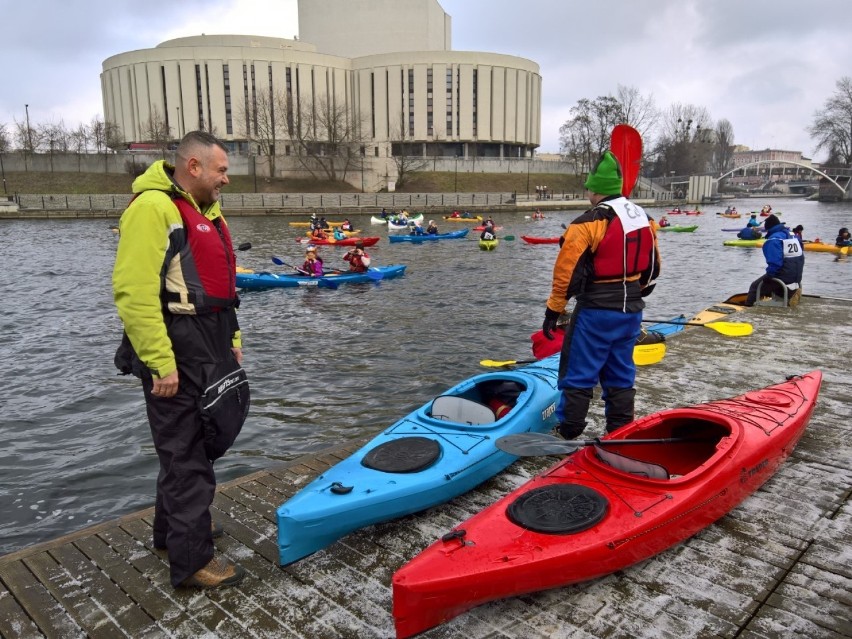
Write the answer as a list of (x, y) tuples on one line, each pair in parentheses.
[(832, 125), (113, 137), (157, 132), (639, 111), (723, 154), (328, 139), (54, 138), (5, 139), (584, 137), (407, 157), (263, 122), (79, 139), (97, 131), (26, 137), (685, 146)]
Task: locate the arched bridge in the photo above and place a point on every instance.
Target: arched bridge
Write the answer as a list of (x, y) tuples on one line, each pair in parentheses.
[(799, 164)]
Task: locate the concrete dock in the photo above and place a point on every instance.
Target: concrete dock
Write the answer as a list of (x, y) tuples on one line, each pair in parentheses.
[(777, 566)]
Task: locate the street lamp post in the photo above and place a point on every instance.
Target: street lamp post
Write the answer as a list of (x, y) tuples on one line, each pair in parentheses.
[(29, 130), (3, 171), (456, 180), (254, 168)]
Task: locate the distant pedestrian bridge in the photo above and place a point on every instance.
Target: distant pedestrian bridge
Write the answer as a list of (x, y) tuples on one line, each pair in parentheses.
[(840, 178)]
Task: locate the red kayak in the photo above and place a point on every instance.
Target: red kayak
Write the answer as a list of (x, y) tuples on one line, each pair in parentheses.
[(349, 241), (540, 240), (608, 506)]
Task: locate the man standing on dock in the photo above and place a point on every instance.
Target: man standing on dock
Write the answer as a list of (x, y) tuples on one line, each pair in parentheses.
[(174, 288), (608, 261)]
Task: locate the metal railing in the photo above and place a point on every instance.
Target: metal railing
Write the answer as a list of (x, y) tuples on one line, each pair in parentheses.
[(283, 201)]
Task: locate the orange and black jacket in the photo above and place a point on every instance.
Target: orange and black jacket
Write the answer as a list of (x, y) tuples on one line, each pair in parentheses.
[(598, 268)]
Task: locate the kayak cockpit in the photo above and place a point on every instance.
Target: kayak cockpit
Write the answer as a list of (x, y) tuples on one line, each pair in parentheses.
[(689, 443), (488, 400)]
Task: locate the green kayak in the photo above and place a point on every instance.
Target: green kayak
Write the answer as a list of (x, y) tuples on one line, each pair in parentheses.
[(743, 242), (677, 228)]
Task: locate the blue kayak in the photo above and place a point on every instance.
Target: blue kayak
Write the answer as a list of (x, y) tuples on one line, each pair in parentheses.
[(435, 453), (332, 280), (417, 239)]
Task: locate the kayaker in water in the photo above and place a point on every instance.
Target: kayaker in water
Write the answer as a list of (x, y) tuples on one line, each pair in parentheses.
[(488, 233), (432, 229), (358, 259), (843, 238), (338, 234), (664, 222), (319, 234), (313, 263), (797, 233), (749, 233), (607, 317), (417, 228), (753, 221), (785, 261)]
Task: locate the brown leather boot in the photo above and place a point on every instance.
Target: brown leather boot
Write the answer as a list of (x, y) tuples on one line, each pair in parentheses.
[(216, 574)]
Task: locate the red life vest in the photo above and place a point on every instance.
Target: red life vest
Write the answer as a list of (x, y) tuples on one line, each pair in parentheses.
[(622, 256), (208, 263)]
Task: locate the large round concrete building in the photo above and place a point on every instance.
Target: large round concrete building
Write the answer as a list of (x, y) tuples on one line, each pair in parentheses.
[(384, 69)]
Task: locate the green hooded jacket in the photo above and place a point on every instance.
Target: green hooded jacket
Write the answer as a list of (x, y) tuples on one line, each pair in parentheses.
[(141, 272)]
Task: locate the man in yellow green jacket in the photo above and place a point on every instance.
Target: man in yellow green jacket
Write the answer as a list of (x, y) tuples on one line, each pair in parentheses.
[(174, 287)]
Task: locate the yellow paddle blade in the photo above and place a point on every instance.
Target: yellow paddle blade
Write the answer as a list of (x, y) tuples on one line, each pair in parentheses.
[(644, 354), (491, 363), (731, 329)]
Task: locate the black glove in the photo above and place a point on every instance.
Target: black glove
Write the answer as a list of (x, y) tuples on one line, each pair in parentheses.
[(549, 324), (645, 292)]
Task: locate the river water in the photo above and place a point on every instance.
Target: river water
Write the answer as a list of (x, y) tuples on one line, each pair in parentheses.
[(326, 366)]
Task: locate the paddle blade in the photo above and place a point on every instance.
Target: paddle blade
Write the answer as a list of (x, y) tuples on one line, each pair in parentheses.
[(731, 329), (491, 363), (278, 261), (536, 444), (509, 238), (326, 283), (645, 354), (626, 145)]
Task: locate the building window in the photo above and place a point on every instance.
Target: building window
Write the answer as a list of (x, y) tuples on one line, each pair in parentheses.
[(411, 102), (430, 124), (475, 78), (199, 97), (449, 102), (229, 123), (289, 79), (246, 101)]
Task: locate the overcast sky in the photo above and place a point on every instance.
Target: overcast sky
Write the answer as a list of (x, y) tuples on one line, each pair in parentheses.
[(764, 65)]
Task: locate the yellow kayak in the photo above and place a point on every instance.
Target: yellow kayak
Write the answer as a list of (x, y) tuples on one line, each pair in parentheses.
[(448, 218), (331, 224), (826, 248), (331, 233)]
